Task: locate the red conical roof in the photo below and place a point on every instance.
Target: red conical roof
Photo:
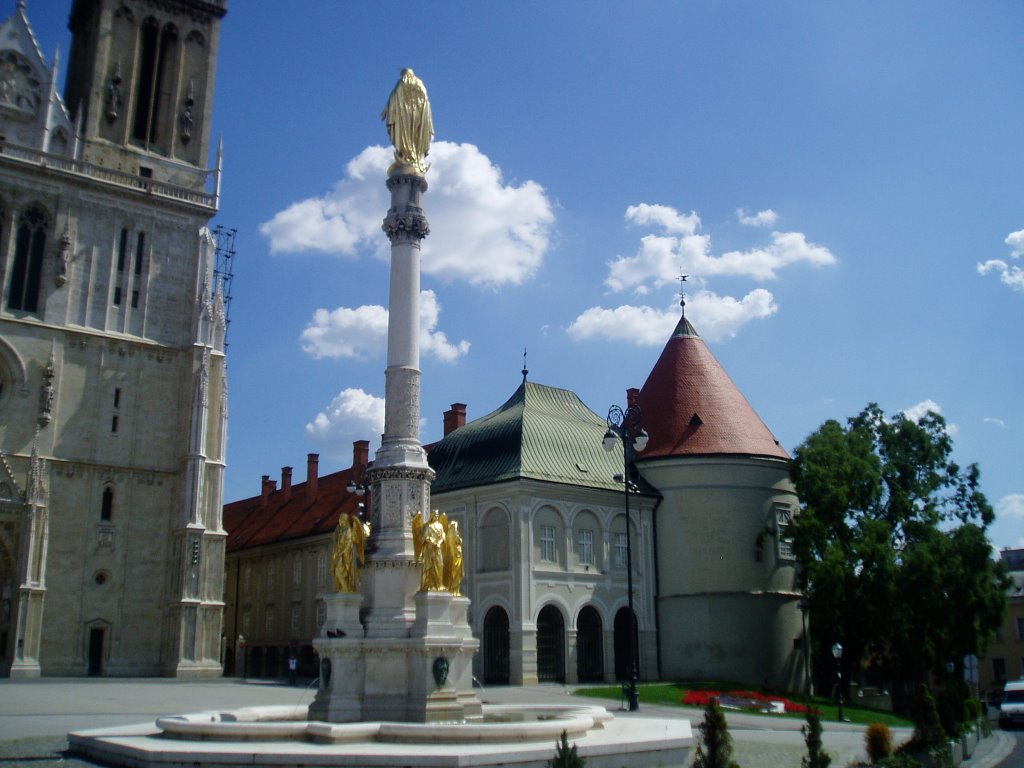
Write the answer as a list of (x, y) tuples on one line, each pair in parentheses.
[(692, 408)]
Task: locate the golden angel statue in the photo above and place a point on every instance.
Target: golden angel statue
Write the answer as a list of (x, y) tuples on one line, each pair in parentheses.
[(417, 536), (410, 125), (349, 552), (432, 553), (453, 568)]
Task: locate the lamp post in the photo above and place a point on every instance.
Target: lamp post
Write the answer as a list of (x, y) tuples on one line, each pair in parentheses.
[(626, 426), (837, 654)]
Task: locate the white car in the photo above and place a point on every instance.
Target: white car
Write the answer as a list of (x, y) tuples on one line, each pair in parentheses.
[(1011, 710)]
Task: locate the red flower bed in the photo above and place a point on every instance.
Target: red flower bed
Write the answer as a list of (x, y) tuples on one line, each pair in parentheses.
[(742, 699)]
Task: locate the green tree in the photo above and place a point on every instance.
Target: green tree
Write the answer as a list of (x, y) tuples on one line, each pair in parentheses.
[(715, 747), (816, 756), (565, 756), (889, 520)]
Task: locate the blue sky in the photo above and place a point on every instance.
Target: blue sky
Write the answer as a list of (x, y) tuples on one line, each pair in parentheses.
[(842, 181)]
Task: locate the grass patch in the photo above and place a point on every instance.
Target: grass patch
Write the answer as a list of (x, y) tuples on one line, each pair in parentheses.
[(671, 694)]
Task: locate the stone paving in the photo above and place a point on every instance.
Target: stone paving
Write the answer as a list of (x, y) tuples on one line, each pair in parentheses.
[(36, 715)]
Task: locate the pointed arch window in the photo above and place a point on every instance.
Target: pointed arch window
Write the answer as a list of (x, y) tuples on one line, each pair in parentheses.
[(107, 505), (158, 46), (27, 270)]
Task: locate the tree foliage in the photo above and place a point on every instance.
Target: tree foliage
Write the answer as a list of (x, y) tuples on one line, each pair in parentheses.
[(565, 756), (715, 747), (892, 546), (816, 756)]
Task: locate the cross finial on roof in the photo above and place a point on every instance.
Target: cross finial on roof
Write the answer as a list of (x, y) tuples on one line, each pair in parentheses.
[(525, 370)]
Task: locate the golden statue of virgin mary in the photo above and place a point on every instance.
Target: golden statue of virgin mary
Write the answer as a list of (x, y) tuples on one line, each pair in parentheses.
[(409, 123)]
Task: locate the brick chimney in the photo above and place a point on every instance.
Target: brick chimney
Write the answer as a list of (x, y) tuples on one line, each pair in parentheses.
[(286, 482), (360, 458), (312, 475), (454, 418), (267, 487), (632, 397)]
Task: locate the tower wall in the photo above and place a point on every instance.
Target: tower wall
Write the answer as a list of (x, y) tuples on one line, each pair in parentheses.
[(728, 607)]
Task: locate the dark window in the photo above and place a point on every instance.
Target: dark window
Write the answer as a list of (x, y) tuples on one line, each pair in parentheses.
[(122, 250), (113, 424), (27, 270), (107, 508), (117, 295), (135, 299), (140, 246), (152, 96), (117, 397)]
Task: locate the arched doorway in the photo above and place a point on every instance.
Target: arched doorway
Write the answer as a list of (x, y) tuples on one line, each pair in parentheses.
[(550, 645), (589, 646), (622, 625), (496, 647)]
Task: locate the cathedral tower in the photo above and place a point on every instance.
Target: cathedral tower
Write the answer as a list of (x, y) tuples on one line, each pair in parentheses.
[(113, 390)]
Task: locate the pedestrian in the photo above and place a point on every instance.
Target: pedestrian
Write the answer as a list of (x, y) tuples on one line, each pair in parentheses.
[(292, 665)]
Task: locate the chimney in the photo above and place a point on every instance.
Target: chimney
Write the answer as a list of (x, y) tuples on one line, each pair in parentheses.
[(632, 397), (454, 418), (286, 482), (312, 475), (267, 487), (360, 458)]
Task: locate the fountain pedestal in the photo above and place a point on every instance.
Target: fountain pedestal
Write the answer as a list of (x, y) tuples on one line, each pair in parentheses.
[(425, 677)]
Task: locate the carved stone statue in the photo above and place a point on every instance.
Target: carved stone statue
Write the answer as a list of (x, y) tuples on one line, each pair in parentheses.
[(409, 123), (453, 568), (349, 552)]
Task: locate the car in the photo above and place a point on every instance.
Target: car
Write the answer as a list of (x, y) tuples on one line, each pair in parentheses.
[(1011, 710)]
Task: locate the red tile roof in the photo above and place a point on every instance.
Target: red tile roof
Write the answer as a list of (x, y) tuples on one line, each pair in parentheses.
[(692, 408), (251, 522)]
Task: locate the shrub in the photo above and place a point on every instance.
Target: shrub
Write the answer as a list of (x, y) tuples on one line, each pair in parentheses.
[(565, 756), (816, 757), (715, 747), (878, 742)]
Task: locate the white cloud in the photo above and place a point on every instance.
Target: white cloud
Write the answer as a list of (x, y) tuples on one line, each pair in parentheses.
[(715, 317), (994, 421), (665, 217), (917, 412), (643, 326), (483, 231), (1011, 506), (661, 256), (765, 218), (363, 332), (1009, 274), (1016, 242), (352, 415)]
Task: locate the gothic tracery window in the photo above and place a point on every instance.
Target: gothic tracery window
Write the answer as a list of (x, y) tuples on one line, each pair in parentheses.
[(27, 269)]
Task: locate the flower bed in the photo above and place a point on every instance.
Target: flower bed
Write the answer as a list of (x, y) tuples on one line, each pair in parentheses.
[(747, 700)]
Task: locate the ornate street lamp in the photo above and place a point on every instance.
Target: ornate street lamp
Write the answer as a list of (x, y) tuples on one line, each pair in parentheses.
[(626, 426), (837, 654)]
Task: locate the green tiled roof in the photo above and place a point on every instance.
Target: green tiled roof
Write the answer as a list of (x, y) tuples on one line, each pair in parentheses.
[(540, 433)]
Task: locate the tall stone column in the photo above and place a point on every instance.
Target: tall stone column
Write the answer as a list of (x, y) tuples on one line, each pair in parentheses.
[(400, 476)]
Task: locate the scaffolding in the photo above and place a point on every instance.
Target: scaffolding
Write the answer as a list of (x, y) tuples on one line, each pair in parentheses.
[(223, 271)]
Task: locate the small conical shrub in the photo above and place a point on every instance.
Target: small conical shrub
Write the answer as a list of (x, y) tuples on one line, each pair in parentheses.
[(878, 742), (715, 747), (816, 756), (565, 756)]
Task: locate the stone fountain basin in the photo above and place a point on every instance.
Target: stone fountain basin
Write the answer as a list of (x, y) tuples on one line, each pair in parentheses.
[(500, 723)]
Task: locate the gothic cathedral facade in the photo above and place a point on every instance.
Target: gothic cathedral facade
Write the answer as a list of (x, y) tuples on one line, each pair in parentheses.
[(113, 390)]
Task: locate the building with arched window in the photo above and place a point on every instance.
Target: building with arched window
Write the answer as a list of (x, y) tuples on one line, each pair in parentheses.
[(541, 508), (112, 374)]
